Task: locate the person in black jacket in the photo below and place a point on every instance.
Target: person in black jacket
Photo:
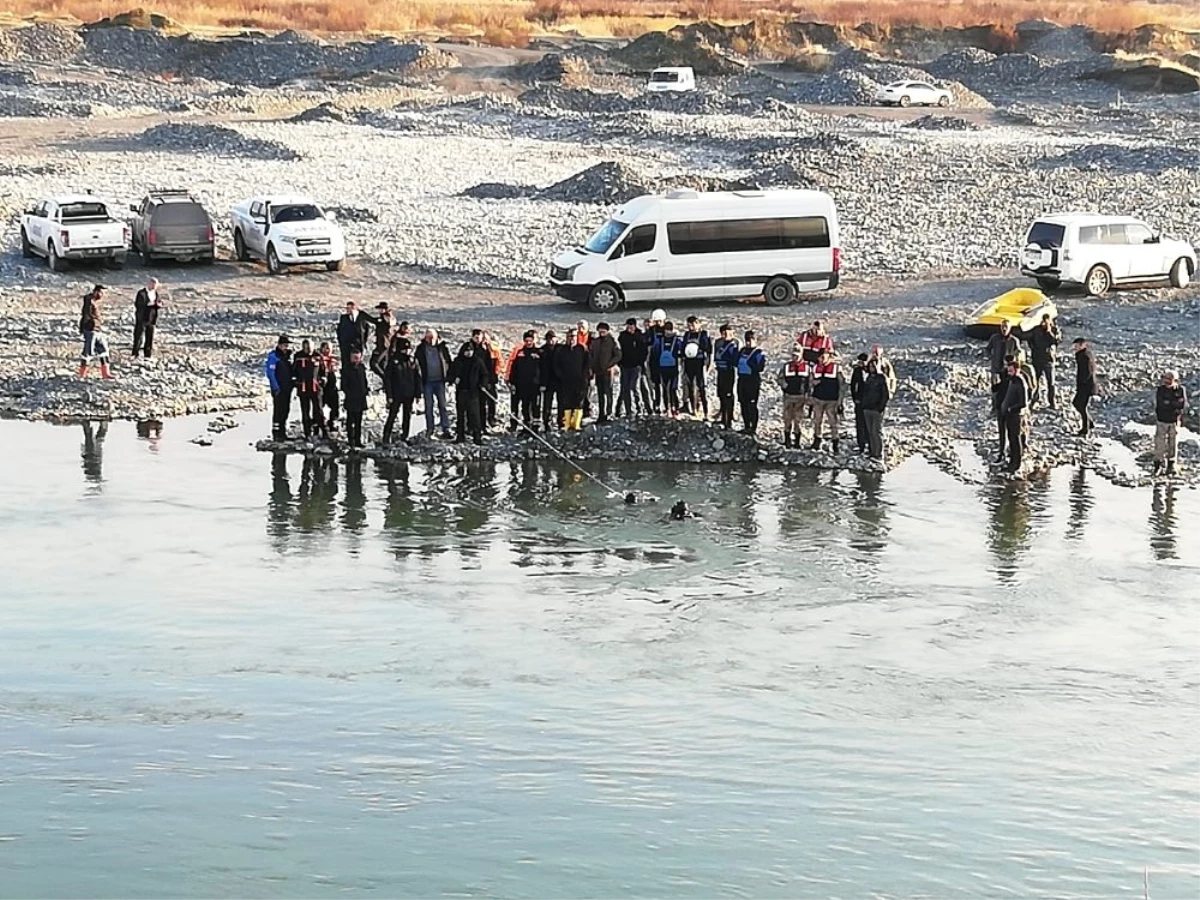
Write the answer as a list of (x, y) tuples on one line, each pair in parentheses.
[(308, 389), (403, 377), (549, 381), (695, 394), (1012, 413), (525, 379), (1085, 384), (633, 347), (327, 373), (1043, 346), (355, 389), (469, 373), (146, 305), (353, 331), (572, 366), (873, 400), (1170, 401), (857, 377), (383, 325), (605, 355)]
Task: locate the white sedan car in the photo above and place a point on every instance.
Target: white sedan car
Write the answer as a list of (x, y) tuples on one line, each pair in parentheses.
[(913, 93)]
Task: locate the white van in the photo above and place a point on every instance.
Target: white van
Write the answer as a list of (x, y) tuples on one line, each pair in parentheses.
[(686, 245), (672, 78)]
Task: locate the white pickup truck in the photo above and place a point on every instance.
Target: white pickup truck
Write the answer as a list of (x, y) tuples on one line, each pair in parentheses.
[(75, 226), (287, 231)]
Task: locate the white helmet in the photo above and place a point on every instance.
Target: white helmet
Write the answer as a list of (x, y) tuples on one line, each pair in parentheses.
[(692, 350), (658, 315)]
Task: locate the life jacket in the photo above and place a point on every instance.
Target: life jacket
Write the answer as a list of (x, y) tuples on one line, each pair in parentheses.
[(796, 378), (825, 381), (727, 354), (812, 345), (746, 362), (666, 352)]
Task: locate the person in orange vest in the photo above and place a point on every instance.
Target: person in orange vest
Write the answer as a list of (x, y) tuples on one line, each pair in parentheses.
[(795, 379), (813, 341), (826, 398)]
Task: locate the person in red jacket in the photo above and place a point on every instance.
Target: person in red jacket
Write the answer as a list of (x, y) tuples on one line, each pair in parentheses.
[(307, 382), (813, 342)]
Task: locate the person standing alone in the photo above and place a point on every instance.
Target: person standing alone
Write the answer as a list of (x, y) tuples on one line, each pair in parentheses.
[(146, 306), (1085, 384), (1170, 402), (281, 378)]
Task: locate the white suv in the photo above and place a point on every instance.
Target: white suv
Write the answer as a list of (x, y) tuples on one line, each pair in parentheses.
[(1102, 252)]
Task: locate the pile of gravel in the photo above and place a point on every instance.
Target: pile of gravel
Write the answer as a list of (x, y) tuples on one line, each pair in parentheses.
[(44, 42), (847, 87), (498, 190), (960, 64), (17, 106), (557, 68), (941, 123), (1152, 159), (611, 183), (215, 140)]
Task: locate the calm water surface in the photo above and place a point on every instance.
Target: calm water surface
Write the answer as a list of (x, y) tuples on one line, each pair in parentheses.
[(223, 673)]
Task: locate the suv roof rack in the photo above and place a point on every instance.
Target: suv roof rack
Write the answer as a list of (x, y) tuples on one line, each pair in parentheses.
[(169, 192)]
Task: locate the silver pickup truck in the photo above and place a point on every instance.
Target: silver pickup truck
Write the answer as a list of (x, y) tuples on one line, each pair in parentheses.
[(73, 227)]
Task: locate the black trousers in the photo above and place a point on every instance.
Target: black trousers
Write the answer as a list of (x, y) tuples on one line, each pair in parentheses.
[(354, 419), (329, 398), (143, 338), (656, 391), (548, 396), (1043, 371), (1081, 406), (725, 379), (860, 428), (604, 394), (669, 381), (468, 410), (525, 403), (281, 410), (378, 360), (748, 391), (394, 407), (310, 413), (1014, 428), (694, 394), (487, 406)]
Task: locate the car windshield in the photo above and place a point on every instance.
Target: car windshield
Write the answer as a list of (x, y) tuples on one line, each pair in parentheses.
[(664, 76), (299, 212), (606, 236), (1045, 234), (84, 211)]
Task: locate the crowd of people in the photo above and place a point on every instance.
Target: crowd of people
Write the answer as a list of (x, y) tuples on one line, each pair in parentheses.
[(645, 369), (553, 382)]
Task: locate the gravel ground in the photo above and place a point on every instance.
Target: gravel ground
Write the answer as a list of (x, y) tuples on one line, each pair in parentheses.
[(454, 199)]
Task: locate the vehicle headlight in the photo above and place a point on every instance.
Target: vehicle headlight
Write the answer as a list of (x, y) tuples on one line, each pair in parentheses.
[(287, 239)]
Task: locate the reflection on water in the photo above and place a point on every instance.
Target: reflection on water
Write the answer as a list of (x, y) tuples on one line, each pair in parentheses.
[(92, 451), (1081, 504), (1162, 522), (150, 430)]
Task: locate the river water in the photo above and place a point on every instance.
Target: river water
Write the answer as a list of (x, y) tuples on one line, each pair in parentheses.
[(226, 673)]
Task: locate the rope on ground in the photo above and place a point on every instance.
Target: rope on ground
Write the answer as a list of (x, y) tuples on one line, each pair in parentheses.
[(612, 491)]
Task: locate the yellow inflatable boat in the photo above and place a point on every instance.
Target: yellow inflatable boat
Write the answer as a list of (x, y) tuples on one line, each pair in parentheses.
[(1022, 308)]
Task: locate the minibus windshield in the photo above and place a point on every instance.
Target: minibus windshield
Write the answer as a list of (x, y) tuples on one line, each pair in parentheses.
[(606, 236)]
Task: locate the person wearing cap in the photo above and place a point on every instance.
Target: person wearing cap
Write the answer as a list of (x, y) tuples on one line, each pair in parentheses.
[(826, 398), (280, 377), (404, 386), (307, 384), (146, 306), (384, 325), (353, 328), (633, 347), (1012, 414), (1085, 384), (695, 362), (1170, 402), (572, 367), (549, 381), (525, 381), (605, 355), (1043, 347), (654, 331), (751, 363), (95, 346), (355, 389), (433, 358), (793, 380), (726, 351), (857, 378), (814, 341)]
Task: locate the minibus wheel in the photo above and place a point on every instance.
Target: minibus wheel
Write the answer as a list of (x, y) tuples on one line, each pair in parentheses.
[(604, 298), (780, 291)]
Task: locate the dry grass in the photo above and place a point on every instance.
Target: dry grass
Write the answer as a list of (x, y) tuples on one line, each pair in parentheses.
[(512, 22)]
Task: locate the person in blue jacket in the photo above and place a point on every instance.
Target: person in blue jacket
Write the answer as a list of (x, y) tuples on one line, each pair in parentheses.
[(750, 365), (665, 350), (279, 375), (725, 357)]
